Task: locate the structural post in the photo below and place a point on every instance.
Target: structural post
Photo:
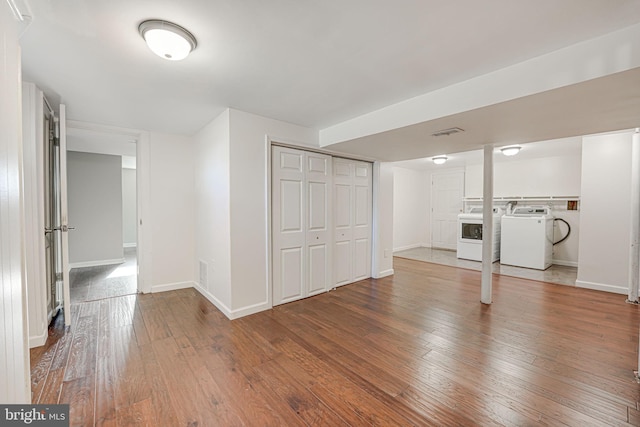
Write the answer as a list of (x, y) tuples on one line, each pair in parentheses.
[(634, 253), (487, 226)]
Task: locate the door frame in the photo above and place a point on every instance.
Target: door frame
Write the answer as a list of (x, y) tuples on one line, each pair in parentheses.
[(284, 142), (143, 233)]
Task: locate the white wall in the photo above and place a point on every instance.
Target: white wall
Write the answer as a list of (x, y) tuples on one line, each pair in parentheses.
[(95, 209), (548, 176), (14, 357), (605, 214), (213, 223), (33, 153), (129, 219), (170, 217), (411, 194), (383, 188), (249, 157)]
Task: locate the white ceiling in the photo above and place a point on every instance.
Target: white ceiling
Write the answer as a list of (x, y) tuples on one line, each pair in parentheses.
[(313, 63), (564, 147)]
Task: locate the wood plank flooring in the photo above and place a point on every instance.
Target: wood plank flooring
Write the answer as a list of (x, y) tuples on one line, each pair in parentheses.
[(416, 348)]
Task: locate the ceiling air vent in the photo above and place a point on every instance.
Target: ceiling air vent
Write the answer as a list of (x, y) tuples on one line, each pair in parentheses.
[(447, 132)]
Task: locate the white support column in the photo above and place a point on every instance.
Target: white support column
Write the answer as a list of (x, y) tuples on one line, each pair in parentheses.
[(634, 253), (487, 226)]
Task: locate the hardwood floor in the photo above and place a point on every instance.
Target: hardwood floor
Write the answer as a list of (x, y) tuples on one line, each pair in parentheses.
[(416, 348)]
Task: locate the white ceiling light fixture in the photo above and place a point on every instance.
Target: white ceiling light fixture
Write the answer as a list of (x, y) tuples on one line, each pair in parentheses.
[(166, 39), (439, 160), (511, 150)]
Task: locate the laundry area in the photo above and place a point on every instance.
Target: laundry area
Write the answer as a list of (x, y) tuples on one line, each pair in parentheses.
[(561, 211)]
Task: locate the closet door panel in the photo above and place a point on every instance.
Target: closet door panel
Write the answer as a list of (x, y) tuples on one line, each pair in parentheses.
[(301, 224), (288, 224), (318, 269)]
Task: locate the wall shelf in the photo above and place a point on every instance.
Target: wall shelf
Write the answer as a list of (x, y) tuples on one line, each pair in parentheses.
[(526, 198)]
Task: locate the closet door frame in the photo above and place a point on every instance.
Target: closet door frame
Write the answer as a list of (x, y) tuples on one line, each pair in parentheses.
[(270, 144)]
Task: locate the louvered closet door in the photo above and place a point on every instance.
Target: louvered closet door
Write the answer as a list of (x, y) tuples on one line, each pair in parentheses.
[(352, 189), (300, 224)]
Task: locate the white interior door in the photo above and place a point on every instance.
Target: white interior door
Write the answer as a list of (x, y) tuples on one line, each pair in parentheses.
[(301, 249), (352, 187), (447, 193), (64, 215)]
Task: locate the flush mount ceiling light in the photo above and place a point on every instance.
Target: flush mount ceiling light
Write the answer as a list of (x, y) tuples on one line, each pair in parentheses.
[(438, 160), (511, 150), (166, 39)]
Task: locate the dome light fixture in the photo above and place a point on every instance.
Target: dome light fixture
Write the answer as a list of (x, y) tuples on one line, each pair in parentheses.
[(166, 39), (439, 160), (512, 150)]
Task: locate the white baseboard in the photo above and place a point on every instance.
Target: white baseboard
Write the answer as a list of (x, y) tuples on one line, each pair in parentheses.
[(565, 263), (129, 245), (384, 273), (404, 248), (232, 314), (250, 309), (98, 263), (171, 286), (602, 287), (38, 340)]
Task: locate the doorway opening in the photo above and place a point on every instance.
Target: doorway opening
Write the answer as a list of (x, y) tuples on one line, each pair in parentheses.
[(102, 202)]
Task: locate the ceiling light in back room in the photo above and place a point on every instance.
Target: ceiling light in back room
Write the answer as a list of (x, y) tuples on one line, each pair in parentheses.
[(439, 160), (511, 150), (166, 39)]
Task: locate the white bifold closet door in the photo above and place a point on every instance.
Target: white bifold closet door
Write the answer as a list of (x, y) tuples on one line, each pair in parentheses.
[(301, 227), (352, 189)]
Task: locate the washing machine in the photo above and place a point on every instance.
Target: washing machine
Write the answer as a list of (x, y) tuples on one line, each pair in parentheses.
[(470, 234), (527, 237)]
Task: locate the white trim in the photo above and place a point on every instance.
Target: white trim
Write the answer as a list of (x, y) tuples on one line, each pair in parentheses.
[(602, 287), (130, 245), (172, 286), (564, 263), (385, 273), (38, 340), (97, 263), (232, 314), (268, 206), (413, 246), (248, 310), (213, 300)]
